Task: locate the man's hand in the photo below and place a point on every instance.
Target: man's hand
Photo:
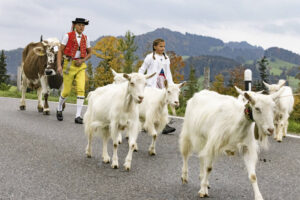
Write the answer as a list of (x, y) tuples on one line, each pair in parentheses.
[(59, 69), (78, 62)]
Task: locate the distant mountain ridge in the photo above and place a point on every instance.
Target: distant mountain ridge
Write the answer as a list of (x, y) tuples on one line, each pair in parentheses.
[(185, 45)]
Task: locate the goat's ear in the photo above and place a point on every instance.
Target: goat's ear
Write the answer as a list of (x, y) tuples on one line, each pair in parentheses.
[(239, 90), (281, 83), (260, 92), (182, 84), (249, 98), (126, 76), (39, 51), (149, 76), (113, 71), (166, 83), (277, 94), (267, 85)]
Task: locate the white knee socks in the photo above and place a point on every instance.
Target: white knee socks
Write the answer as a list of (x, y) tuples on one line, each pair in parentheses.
[(80, 101)]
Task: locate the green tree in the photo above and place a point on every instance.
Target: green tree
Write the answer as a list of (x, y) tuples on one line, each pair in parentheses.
[(263, 71), (192, 83), (128, 48), (218, 84), (3, 76), (176, 66), (111, 57)]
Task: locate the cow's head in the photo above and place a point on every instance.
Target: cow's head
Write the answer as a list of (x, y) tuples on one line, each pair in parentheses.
[(173, 91), (136, 85), (49, 48)]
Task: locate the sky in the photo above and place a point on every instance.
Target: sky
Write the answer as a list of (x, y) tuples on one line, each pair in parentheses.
[(265, 23)]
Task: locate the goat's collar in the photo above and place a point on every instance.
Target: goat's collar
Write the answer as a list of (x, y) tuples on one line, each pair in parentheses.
[(248, 112)]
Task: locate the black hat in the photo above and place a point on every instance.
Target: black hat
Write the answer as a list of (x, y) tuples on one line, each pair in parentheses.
[(81, 21)]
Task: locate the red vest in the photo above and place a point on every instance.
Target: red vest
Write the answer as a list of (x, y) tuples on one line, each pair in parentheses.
[(72, 45)]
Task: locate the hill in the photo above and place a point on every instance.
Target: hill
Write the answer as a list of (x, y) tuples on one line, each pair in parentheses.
[(198, 50)]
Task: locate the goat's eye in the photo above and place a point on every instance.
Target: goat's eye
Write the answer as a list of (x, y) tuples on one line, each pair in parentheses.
[(257, 109)]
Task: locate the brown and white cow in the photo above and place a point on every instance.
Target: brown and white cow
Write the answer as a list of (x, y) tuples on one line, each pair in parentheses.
[(39, 67)]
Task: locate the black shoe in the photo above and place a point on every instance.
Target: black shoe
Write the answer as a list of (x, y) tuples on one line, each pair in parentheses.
[(59, 115), (78, 120), (168, 129)]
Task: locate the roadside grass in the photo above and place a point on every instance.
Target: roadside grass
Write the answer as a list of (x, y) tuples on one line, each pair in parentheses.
[(14, 93), (294, 127)]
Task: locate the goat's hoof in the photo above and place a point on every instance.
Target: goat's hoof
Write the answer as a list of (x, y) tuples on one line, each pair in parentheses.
[(203, 195), (88, 156), (127, 167), (47, 112), (120, 142), (40, 109), (22, 107), (279, 141), (115, 166), (152, 153), (184, 180), (106, 160)]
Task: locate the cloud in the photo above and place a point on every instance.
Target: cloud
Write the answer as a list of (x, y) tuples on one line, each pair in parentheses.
[(260, 22)]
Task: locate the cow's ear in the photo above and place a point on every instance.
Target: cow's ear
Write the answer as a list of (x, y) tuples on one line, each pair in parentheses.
[(39, 51), (45, 42)]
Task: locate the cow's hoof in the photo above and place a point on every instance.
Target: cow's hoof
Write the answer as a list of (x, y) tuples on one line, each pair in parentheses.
[(22, 107), (40, 109), (47, 112)]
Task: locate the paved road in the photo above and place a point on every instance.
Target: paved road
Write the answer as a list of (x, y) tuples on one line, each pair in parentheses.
[(41, 158)]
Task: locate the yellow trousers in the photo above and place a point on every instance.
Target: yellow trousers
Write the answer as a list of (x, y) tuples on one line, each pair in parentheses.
[(71, 72)]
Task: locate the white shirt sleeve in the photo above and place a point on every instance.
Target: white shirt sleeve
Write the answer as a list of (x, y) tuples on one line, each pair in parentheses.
[(169, 74), (145, 65), (65, 39), (88, 44)]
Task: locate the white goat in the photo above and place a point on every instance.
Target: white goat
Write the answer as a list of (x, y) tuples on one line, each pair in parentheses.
[(284, 107), (153, 111), (216, 124), (113, 108)]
